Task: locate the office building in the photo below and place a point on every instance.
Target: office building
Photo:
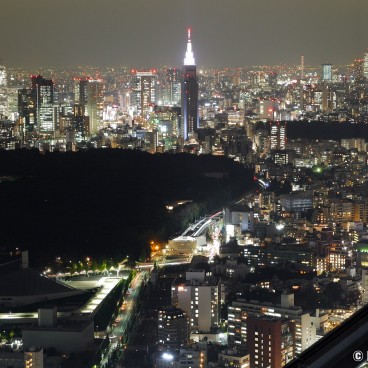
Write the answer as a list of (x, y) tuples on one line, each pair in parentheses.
[(326, 72), (173, 328), (189, 94), (45, 102), (3, 92), (267, 109), (358, 70), (144, 95), (26, 110), (93, 100), (297, 202), (198, 296), (271, 341), (365, 64), (174, 86), (278, 135), (8, 136), (237, 220), (88, 103)]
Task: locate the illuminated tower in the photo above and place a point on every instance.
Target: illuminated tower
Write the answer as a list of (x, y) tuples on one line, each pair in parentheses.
[(189, 94)]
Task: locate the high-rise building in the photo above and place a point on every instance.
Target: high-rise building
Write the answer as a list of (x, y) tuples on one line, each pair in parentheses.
[(173, 327), (89, 102), (302, 67), (189, 94), (198, 296), (174, 85), (327, 72), (3, 92), (358, 70), (278, 135), (271, 341), (365, 64), (12, 101), (27, 110), (94, 103), (45, 98), (144, 95)]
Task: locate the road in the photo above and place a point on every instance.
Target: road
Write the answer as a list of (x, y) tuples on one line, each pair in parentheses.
[(118, 331)]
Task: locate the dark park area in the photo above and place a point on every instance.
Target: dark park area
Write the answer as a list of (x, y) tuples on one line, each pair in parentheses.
[(107, 203)]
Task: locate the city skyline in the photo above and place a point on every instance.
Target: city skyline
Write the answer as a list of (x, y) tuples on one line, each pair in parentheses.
[(231, 34)]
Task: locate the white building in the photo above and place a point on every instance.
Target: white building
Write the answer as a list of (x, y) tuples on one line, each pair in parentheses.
[(238, 219), (199, 297)]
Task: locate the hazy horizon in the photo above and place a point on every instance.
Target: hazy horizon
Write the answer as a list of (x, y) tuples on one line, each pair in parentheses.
[(231, 33)]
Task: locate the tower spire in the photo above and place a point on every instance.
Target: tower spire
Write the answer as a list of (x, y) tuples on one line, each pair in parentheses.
[(189, 57)]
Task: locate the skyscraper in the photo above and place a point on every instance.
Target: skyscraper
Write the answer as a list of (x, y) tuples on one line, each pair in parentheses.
[(26, 110), (89, 101), (326, 72), (45, 98), (94, 104), (189, 94), (3, 92), (144, 92), (365, 64)]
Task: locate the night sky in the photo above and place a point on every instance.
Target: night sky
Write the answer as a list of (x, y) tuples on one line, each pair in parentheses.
[(153, 32)]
